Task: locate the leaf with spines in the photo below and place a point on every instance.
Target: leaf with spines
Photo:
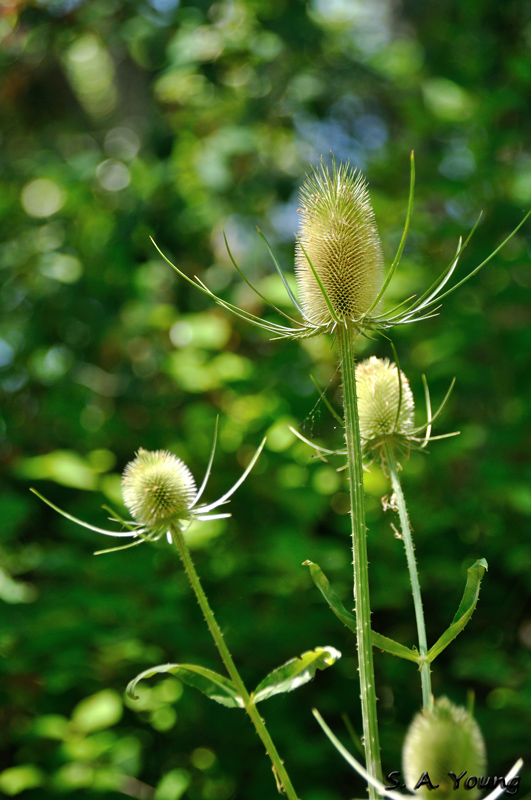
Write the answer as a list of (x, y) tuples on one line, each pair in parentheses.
[(465, 610), (348, 619), (295, 672), (214, 686)]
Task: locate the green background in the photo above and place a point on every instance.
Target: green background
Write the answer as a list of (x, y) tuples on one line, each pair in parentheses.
[(122, 120)]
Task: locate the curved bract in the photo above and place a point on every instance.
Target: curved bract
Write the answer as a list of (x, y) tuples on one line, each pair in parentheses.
[(339, 264), (159, 490)]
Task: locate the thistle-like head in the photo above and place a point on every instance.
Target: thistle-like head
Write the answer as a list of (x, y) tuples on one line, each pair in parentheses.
[(158, 488), (160, 492), (441, 740), (385, 405), (338, 242)]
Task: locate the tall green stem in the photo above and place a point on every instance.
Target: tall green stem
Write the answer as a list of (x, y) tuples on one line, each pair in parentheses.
[(259, 724), (425, 676), (346, 339)]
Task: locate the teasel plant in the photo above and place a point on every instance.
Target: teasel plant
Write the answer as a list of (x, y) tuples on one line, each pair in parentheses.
[(339, 267), (387, 430), (160, 492)]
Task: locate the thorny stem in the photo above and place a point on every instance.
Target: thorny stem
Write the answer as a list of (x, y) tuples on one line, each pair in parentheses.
[(346, 340), (279, 770), (425, 676)]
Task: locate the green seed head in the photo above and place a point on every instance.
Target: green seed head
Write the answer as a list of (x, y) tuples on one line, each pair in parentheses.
[(158, 488), (385, 404), (338, 232), (445, 739)]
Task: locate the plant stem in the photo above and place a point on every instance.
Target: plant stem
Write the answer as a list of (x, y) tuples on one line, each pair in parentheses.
[(425, 676), (278, 766), (346, 340)]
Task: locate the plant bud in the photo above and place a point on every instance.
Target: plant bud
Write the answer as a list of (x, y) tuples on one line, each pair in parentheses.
[(158, 488), (338, 232), (440, 741), (385, 404)]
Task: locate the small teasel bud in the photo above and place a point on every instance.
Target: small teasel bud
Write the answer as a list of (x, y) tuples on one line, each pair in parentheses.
[(338, 235), (158, 488), (444, 746), (385, 403)]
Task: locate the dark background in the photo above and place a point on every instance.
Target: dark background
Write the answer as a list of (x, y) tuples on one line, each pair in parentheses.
[(122, 120)]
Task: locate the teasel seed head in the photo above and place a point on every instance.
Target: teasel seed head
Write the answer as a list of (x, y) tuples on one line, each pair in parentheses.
[(158, 488), (338, 234), (442, 740), (385, 404)]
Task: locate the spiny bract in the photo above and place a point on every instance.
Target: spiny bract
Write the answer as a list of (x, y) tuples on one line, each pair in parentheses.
[(158, 488), (442, 740), (385, 403), (339, 234)]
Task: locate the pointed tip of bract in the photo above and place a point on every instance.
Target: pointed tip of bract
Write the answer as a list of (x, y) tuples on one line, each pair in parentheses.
[(158, 488), (338, 235)]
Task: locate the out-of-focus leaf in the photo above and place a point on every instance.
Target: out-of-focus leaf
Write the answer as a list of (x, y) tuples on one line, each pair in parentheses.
[(98, 711), (61, 466), (15, 780)]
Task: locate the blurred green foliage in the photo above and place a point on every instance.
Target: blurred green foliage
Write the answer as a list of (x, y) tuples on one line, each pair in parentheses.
[(123, 119)]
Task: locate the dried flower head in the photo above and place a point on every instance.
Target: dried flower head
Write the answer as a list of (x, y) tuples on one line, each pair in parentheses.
[(338, 243), (443, 740), (385, 403), (158, 488)]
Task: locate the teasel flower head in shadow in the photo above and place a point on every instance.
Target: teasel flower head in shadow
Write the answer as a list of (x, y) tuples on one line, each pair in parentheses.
[(339, 263), (159, 491), (444, 741), (444, 719)]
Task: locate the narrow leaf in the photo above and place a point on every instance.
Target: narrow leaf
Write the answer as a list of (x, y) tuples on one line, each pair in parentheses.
[(396, 260), (327, 402), (248, 282), (465, 610), (348, 619), (295, 673), (394, 648), (281, 273), (214, 686), (136, 532)]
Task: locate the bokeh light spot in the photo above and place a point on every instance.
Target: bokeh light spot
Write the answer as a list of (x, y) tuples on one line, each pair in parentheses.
[(42, 198), (113, 175)]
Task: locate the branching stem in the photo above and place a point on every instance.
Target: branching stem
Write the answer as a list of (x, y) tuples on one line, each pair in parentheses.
[(259, 724), (346, 341), (425, 676)]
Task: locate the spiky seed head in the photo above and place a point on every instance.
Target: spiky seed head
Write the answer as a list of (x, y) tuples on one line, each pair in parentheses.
[(385, 403), (442, 740), (158, 488), (339, 234)]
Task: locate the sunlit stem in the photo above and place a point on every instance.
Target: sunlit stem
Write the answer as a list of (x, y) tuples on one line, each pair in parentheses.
[(346, 341), (425, 676), (215, 630)]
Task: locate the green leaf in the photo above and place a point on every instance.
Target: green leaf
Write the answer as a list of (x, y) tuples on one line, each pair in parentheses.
[(395, 648), (348, 619), (465, 610), (15, 780), (214, 686), (97, 712), (295, 673)]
